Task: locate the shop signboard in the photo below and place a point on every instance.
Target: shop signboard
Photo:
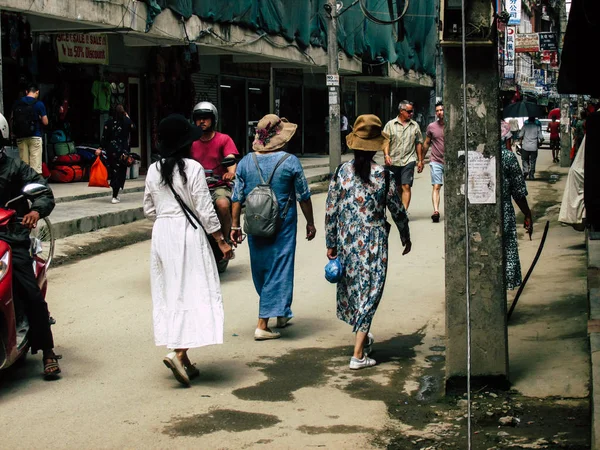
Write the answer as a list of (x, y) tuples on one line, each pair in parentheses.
[(527, 42), (514, 9), (509, 51), (548, 41), (549, 57), (82, 48)]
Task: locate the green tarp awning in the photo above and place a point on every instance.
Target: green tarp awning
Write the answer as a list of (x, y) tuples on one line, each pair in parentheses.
[(412, 45)]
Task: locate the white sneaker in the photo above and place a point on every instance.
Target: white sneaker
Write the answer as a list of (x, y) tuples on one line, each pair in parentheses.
[(356, 363), (368, 347), (115, 200)]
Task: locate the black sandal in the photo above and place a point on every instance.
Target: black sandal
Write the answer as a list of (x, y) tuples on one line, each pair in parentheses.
[(51, 367)]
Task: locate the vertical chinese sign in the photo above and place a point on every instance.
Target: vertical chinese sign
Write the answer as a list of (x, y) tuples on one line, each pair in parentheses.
[(514, 10), (509, 52)]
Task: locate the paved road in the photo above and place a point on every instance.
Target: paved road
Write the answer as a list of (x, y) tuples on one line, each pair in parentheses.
[(295, 392), (116, 392)]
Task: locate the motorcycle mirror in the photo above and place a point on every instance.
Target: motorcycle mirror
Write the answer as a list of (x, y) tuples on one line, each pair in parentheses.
[(34, 190)]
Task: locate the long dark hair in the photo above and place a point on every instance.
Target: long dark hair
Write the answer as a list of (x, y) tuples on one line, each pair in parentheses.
[(362, 164), (167, 166)]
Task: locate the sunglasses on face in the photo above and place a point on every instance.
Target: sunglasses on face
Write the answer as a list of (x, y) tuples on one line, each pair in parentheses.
[(409, 111)]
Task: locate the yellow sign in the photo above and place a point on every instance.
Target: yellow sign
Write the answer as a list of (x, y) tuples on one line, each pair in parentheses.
[(81, 48)]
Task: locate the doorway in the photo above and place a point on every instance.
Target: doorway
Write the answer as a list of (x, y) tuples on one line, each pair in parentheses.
[(243, 103), (134, 102)]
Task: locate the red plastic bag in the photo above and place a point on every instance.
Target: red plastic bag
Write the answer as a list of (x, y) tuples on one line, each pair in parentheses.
[(573, 152), (98, 174)]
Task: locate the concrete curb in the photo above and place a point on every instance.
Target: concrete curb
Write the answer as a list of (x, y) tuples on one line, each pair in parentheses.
[(73, 198), (593, 281), (93, 223)]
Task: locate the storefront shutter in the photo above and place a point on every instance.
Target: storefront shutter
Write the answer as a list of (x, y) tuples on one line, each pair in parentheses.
[(206, 87)]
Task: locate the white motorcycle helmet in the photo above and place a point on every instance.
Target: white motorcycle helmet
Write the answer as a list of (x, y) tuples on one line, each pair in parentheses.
[(204, 109), (4, 132)]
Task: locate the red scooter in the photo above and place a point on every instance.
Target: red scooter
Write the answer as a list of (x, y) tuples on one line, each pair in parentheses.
[(14, 337)]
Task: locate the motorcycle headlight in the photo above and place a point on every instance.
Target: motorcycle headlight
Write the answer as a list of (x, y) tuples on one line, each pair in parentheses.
[(4, 265)]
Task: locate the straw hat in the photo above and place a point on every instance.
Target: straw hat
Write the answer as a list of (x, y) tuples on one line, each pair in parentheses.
[(367, 135), (272, 133)]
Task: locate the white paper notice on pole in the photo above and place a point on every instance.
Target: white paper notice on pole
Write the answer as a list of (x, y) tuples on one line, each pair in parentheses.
[(333, 80), (82, 48), (482, 178), (333, 98)]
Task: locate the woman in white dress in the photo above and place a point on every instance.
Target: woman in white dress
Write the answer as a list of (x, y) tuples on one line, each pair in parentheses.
[(186, 292)]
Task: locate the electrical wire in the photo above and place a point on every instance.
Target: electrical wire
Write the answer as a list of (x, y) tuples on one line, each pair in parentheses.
[(467, 234), (126, 8), (372, 18)]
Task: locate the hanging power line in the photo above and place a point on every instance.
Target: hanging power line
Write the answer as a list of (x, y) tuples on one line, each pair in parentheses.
[(372, 17)]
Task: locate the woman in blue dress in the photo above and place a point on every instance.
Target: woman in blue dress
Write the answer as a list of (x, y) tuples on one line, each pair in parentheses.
[(272, 258), (355, 227)]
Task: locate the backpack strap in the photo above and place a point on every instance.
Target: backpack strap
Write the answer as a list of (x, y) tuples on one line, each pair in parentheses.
[(262, 180), (283, 158)]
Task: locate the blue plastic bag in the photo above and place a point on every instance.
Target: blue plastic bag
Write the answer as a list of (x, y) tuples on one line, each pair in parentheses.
[(334, 270)]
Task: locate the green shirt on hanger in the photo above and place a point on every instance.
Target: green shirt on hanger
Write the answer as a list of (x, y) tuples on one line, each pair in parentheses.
[(101, 92)]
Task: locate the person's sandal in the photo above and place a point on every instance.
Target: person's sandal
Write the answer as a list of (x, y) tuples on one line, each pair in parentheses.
[(192, 371), (51, 367)]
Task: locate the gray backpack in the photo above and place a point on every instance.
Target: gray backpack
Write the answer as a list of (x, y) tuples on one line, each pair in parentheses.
[(261, 217)]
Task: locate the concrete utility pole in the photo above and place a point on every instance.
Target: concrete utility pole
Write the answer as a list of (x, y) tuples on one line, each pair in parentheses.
[(333, 86), (565, 102), (489, 337)]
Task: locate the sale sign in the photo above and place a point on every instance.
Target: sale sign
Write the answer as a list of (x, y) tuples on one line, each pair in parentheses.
[(82, 48)]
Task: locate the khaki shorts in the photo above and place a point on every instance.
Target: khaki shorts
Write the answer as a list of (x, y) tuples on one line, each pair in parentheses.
[(30, 152), (221, 192)]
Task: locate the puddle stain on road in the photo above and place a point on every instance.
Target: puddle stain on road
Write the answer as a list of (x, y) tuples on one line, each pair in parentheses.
[(310, 367), (219, 420), (428, 410)]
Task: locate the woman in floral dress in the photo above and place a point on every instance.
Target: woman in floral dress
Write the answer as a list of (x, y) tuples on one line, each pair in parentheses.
[(513, 188), (355, 221)]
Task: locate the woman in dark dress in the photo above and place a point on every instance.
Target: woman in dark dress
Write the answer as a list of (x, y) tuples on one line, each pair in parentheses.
[(115, 144)]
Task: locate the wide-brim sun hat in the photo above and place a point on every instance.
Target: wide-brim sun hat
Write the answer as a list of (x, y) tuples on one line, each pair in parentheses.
[(367, 134), (176, 132), (272, 133)]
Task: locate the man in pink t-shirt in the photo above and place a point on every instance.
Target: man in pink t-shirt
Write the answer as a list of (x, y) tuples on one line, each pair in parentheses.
[(435, 139), (210, 150)]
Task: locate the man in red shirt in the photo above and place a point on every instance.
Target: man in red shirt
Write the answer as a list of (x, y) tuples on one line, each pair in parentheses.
[(554, 129), (210, 150)]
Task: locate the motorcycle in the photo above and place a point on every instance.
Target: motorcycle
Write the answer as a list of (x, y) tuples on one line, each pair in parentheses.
[(14, 330), (213, 182)]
